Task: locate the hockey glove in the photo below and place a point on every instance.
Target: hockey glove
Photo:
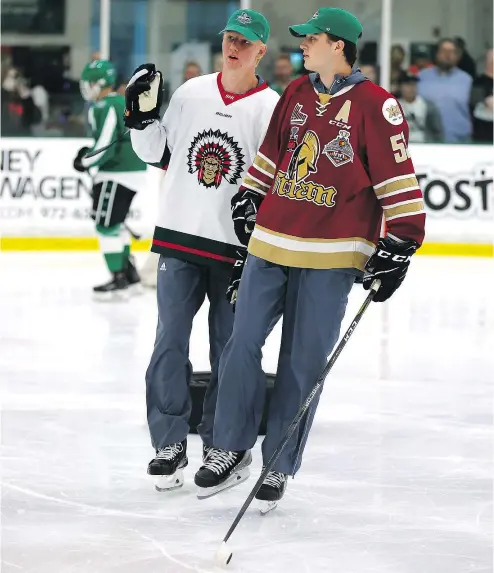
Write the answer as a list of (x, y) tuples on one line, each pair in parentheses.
[(245, 205), (389, 263), (78, 160), (238, 267), (143, 97)]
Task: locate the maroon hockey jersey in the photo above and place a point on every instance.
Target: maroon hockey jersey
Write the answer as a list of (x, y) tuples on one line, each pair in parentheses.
[(329, 167)]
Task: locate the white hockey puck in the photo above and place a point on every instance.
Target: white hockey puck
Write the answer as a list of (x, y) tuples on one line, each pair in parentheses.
[(223, 555)]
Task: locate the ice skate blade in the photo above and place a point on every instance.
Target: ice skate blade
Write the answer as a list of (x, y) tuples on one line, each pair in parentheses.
[(169, 483), (236, 479), (111, 296), (266, 506)]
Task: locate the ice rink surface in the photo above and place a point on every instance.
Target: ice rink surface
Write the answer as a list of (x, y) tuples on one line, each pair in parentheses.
[(398, 472)]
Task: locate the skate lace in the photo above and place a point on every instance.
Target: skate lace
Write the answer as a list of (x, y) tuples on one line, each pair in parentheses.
[(169, 452), (219, 461), (275, 479), (206, 450)]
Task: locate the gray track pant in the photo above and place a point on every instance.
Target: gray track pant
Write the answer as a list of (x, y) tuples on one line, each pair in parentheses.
[(182, 288), (313, 304)]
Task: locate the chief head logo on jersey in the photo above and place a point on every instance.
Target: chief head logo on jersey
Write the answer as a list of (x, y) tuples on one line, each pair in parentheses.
[(215, 156)]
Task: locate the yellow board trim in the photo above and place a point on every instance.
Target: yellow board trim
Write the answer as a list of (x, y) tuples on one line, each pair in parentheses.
[(457, 250), (61, 244), (92, 244)]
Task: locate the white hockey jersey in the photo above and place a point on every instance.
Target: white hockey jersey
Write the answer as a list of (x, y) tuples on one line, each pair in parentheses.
[(207, 140)]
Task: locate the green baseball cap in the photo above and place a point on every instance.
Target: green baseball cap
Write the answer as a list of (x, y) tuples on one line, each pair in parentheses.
[(251, 24), (334, 21)]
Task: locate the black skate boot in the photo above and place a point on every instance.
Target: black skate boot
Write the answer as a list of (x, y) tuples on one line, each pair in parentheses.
[(116, 289), (132, 276), (222, 470), (271, 491), (167, 466)]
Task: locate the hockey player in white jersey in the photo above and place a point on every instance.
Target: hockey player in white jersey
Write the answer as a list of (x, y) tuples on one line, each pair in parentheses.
[(208, 137)]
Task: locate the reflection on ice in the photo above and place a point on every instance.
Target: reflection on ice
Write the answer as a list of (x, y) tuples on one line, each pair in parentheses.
[(397, 476)]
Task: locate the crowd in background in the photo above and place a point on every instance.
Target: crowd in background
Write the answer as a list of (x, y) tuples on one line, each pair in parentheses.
[(444, 97)]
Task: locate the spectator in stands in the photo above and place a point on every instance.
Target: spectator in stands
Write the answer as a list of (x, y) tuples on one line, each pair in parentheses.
[(397, 71), (481, 103), (421, 59), (448, 88), (424, 121), (465, 61), (191, 70), (283, 73), (41, 100), (370, 72), (19, 111)]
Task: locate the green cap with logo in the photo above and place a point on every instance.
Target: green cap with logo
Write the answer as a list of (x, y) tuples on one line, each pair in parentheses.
[(251, 24), (335, 21)]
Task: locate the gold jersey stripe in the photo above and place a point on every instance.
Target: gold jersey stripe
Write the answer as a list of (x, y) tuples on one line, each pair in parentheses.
[(407, 208), (307, 260), (304, 240), (252, 181), (256, 189), (264, 167), (398, 185)]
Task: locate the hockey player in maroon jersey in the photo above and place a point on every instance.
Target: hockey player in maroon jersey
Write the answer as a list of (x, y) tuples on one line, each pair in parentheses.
[(333, 161)]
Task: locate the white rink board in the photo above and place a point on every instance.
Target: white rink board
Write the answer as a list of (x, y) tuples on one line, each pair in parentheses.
[(41, 194), (459, 196)]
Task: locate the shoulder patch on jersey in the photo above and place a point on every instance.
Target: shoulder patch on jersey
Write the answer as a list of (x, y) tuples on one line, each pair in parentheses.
[(392, 112)]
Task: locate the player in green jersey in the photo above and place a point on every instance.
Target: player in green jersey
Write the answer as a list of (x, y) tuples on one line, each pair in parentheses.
[(117, 175)]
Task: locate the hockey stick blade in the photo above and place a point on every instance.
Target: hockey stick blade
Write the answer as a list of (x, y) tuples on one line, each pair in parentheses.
[(305, 406), (101, 149), (135, 236)]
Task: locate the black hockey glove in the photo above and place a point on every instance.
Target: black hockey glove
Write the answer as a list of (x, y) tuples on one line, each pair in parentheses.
[(245, 205), (238, 267), (78, 160), (143, 97), (389, 264)]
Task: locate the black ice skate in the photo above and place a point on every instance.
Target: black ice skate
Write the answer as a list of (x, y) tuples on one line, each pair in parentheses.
[(222, 470), (167, 466), (271, 491), (116, 289), (132, 276)]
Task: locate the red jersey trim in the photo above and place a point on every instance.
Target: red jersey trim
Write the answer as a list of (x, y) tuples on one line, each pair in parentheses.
[(229, 98), (193, 251)]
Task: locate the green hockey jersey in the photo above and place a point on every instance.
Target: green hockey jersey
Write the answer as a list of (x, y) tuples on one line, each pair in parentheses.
[(119, 162)]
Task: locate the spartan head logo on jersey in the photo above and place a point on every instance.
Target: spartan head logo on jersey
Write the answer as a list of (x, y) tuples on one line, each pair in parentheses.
[(214, 156), (304, 158), (339, 150)]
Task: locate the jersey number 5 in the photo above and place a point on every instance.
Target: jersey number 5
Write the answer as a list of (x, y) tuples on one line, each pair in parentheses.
[(399, 147)]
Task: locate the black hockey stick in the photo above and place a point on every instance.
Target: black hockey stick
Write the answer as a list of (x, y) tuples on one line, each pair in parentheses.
[(101, 149), (224, 555), (135, 236)]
